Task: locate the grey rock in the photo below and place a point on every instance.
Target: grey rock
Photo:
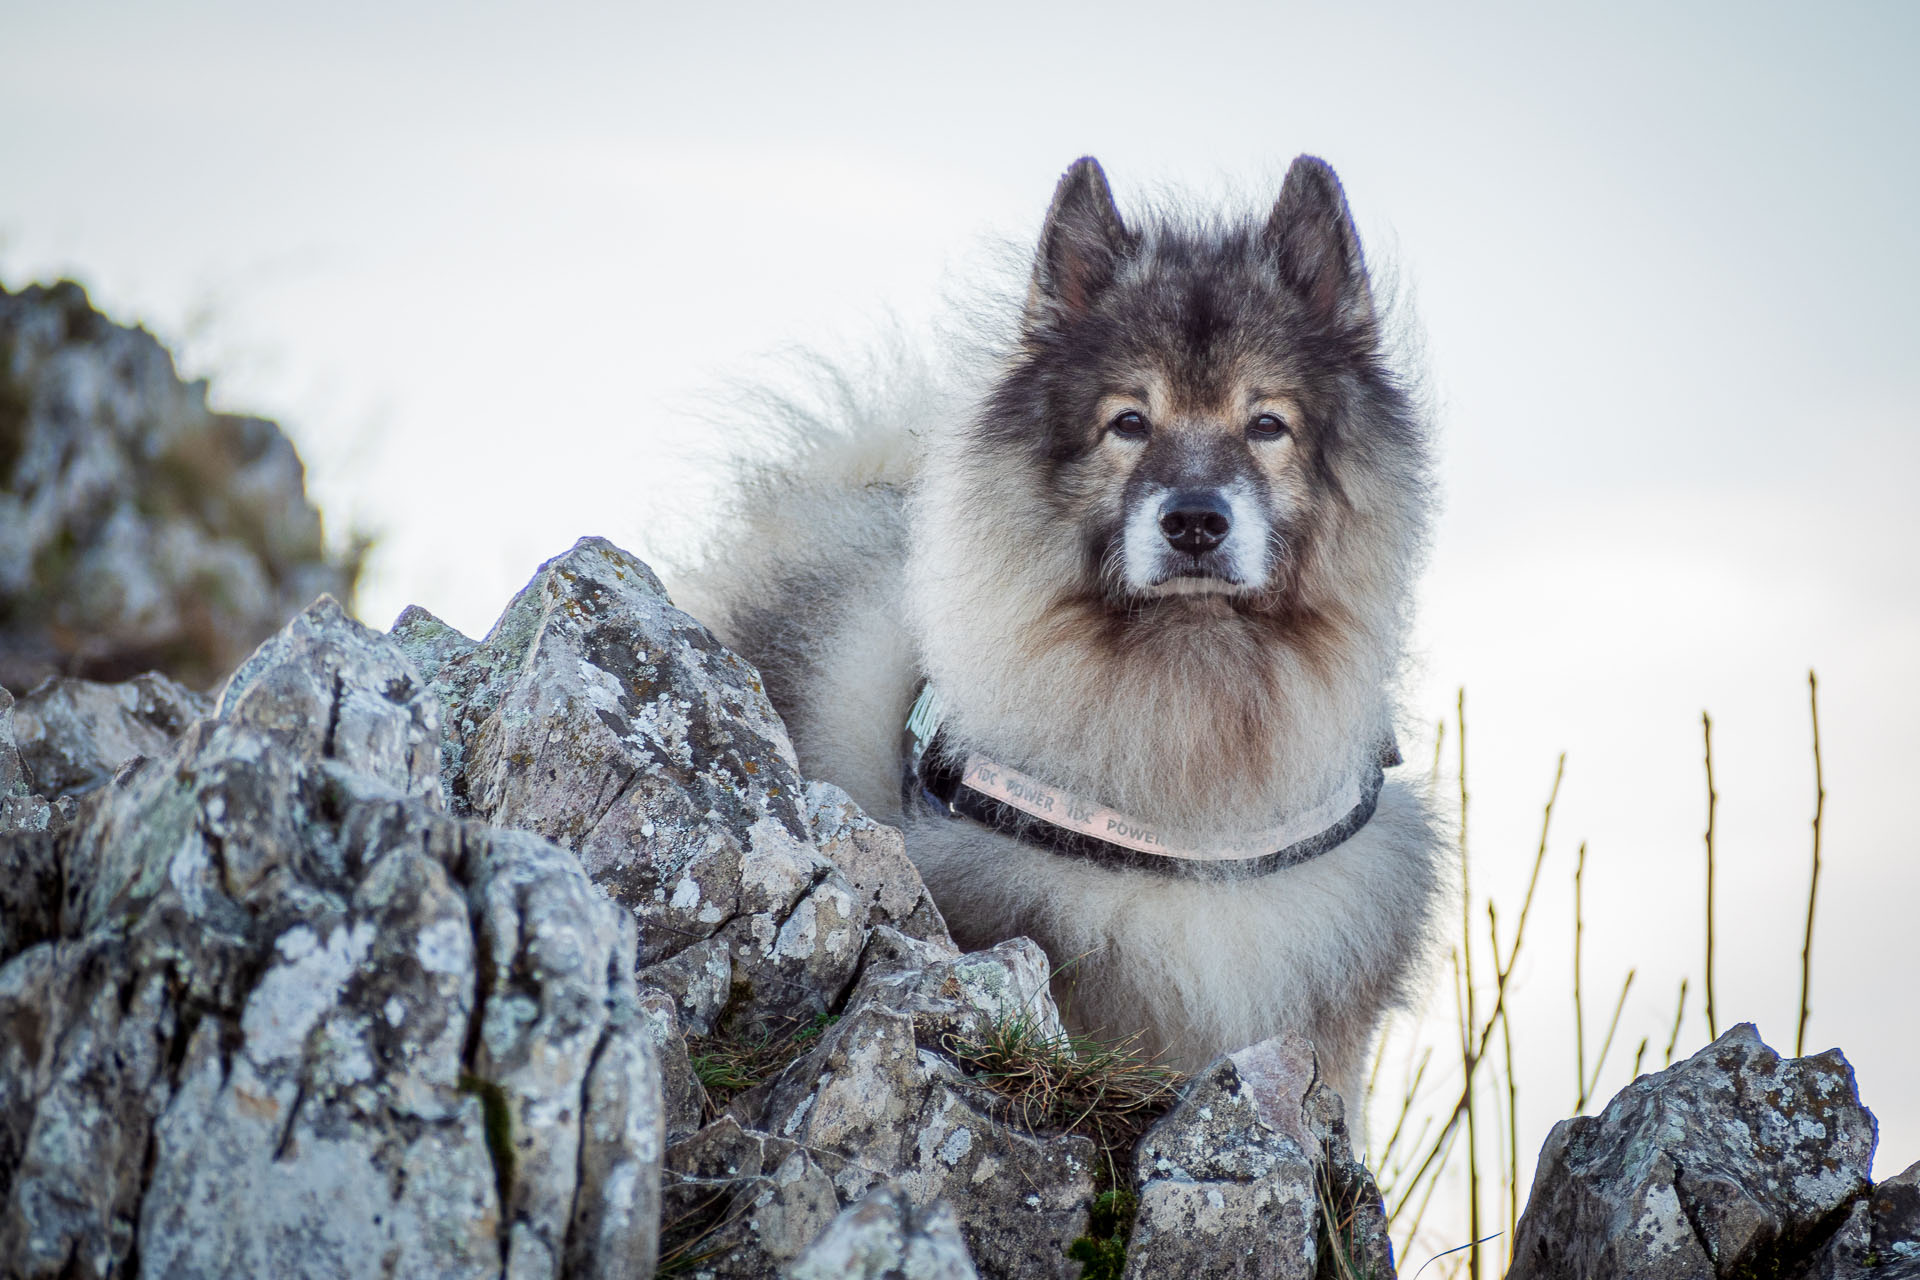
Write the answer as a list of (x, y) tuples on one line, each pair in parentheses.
[(74, 735), (30, 844), (683, 1099), (888, 1237), (14, 778), (600, 717), (884, 1092), (873, 858), (741, 1204), (292, 1019), (1895, 1242), (1880, 1239), (138, 528), (21, 810), (615, 1232), (1734, 1162), (83, 1074), (1252, 1174), (327, 686)]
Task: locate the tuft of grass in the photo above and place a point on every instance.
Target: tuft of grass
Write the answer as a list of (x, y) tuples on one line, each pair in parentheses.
[(1340, 1254), (727, 1066), (1107, 1090), (686, 1240)]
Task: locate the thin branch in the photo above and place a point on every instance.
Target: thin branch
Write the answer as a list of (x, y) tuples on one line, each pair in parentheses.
[(1579, 1012), (1512, 1172), (1503, 973), (1586, 1092), (1713, 800), (1406, 1108), (1813, 885), (1679, 1012), (1468, 1020), (1444, 1145)]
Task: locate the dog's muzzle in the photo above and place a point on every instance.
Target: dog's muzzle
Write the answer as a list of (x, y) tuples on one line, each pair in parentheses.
[(1195, 520)]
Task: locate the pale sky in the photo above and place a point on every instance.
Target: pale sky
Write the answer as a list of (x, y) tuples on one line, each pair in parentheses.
[(491, 265)]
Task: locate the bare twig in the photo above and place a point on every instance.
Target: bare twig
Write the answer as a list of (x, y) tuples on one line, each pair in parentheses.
[(1587, 1088), (1679, 1012), (1579, 1012), (1442, 1142), (1713, 800), (1511, 1174), (1406, 1107), (1813, 885), (1444, 1145), (1468, 1021)]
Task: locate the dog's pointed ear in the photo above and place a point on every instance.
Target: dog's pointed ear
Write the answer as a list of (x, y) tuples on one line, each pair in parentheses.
[(1081, 246), (1311, 236)]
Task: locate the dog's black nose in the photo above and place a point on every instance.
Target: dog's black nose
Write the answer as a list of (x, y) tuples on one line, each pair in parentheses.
[(1195, 520)]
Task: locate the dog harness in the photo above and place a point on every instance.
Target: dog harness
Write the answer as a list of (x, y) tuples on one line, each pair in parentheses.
[(1027, 809)]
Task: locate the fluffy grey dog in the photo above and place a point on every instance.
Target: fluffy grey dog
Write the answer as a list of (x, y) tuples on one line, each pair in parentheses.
[(1143, 593)]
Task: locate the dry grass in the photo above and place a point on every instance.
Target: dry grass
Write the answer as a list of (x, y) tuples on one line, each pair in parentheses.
[(729, 1066), (1108, 1090)]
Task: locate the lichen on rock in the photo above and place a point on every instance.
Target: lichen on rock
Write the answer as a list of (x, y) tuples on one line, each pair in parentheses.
[(251, 1035), (138, 527)]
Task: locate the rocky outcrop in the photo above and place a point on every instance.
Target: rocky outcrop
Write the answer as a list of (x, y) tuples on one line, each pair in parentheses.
[(599, 716), (1736, 1162), (1253, 1175), (285, 1016), (138, 528), (393, 957)]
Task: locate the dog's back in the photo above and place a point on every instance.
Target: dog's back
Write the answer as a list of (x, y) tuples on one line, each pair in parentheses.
[(809, 581)]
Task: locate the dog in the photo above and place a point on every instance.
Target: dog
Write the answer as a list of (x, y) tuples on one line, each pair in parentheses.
[(1138, 592)]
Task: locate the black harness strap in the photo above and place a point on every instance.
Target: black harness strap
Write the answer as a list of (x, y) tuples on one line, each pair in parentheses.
[(933, 775)]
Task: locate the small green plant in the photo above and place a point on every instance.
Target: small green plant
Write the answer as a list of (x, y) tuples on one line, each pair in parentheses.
[(1102, 1252), (1059, 1081)]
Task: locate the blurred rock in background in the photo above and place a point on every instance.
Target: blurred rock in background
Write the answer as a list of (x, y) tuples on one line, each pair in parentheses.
[(139, 529)]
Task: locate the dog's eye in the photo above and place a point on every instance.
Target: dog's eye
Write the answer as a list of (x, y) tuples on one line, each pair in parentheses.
[(1267, 424), (1130, 424)]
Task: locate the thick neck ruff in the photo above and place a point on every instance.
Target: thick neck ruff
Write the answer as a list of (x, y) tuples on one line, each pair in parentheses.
[(1021, 806)]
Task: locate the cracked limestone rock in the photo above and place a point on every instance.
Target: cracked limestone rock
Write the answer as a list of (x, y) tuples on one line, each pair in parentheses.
[(74, 735), (600, 717), (1734, 1162), (288, 1018), (1880, 1239), (885, 1097), (138, 528), (1238, 1179), (888, 1237)]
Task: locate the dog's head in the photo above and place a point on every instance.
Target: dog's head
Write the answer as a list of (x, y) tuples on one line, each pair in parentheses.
[(1207, 405)]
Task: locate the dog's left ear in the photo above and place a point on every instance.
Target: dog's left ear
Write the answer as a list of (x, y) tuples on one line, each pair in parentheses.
[(1080, 247), (1311, 236)]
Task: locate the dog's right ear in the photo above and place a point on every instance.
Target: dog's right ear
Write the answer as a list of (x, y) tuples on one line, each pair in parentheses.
[(1080, 248)]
